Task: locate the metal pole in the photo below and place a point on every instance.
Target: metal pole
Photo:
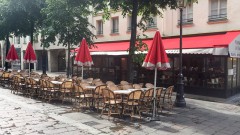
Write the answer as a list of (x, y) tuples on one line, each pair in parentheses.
[(180, 101), (154, 93)]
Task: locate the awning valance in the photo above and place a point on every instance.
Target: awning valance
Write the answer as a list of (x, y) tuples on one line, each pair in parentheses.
[(215, 44)]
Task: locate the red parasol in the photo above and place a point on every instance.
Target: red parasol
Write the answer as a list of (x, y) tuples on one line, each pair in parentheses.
[(156, 59), (12, 55), (30, 56), (83, 57)]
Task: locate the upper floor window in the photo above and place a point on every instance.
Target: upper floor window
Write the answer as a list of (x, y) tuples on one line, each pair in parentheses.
[(99, 27), (115, 25), (24, 40), (187, 15), (129, 21), (152, 23), (35, 38), (218, 10), (17, 40)]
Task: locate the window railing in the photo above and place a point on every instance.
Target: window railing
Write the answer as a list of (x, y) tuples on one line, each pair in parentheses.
[(186, 21), (152, 25), (114, 30), (129, 28), (217, 17), (100, 32)]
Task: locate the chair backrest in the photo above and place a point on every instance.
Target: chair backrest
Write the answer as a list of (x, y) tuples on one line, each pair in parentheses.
[(108, 95), (99, 83), (124, 82), (159, 92), (149, 85), (168, 92), (67, 85), (98, 89), (113, 87), (135, 95), (6, 75), (77, 88), (127, 86), (137, 86), (110, 83), (49, 84), (148, 94)]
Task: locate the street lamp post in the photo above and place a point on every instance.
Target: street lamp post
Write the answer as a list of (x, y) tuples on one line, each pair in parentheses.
[(180, 101)]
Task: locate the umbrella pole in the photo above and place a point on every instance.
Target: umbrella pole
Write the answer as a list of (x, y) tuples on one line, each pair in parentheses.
[(82, 72), (154, 118), (29, 68), (154, 93)]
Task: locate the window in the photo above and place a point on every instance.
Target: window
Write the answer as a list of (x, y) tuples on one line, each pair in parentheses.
[(17, 40), (115, 25), (99, 27), (129, 20), (35, 38), (218, 10), (187, 15), (24, 40), (152, 23)]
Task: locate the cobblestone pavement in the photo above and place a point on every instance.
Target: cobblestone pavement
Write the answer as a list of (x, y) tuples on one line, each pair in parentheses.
[(22, 115)]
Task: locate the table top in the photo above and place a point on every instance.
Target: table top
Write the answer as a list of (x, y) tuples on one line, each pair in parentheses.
[(90, 87), (56, 82), (122, 91)]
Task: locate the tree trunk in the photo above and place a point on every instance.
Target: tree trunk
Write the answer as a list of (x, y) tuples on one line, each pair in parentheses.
[(132, 40), (7, 49)]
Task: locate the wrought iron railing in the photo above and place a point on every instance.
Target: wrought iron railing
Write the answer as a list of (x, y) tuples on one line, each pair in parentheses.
[(114, 30), (186, 21), (217, 17), (100, 32)]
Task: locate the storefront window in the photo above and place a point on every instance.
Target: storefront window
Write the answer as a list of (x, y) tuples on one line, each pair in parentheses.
[(215, 72), (230, 72)]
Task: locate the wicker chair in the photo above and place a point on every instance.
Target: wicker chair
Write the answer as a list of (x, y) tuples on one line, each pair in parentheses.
[(34, 90), (98, 97), (133, 101), (166, 98), (52, 91), (149, 85), (111, 104), (66, 90)]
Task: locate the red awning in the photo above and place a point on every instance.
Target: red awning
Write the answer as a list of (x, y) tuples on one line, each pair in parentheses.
[(207, 41), (202, 44)]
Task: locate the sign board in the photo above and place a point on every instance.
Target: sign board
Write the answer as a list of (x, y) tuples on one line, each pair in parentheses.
[(234, 47)]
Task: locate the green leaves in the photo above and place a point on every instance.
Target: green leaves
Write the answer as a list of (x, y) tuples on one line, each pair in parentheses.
[(67, 20)]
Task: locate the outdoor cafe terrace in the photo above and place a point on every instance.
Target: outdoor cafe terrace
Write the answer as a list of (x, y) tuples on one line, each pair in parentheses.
[(105, 98)]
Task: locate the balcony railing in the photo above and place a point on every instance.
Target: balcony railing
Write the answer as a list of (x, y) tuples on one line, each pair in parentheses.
[(152, 25), (186, 21), (99, 32), (114, 30), (217, 17)]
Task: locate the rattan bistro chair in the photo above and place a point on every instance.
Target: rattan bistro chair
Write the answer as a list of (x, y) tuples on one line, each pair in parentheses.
[(132, 103), (111, 104), (80, 97), (166, 98), (66, 90), (98, 97), (52, 91)]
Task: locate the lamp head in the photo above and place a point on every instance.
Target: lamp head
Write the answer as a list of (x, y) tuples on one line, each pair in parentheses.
[(181, 3)]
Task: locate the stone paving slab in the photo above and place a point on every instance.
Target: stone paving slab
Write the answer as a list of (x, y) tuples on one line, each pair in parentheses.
[(22, 115)]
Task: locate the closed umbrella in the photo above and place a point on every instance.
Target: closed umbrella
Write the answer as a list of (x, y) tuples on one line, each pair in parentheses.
[(30, 56), (12, 55), (156, 58), (83, 57)]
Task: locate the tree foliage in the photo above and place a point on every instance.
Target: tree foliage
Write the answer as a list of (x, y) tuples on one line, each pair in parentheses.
[(66, 22), (17, 16)]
